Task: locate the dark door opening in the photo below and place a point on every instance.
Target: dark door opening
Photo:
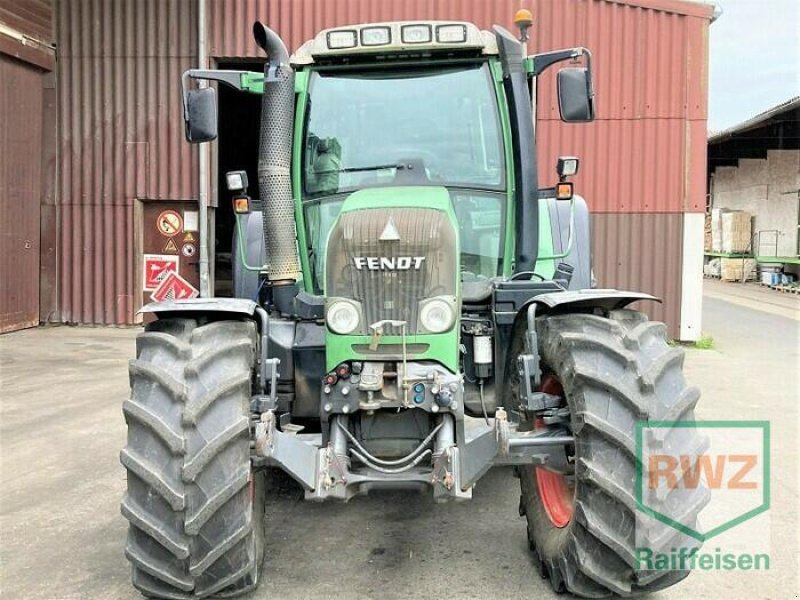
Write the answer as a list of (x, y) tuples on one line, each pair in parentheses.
[(237, 149)]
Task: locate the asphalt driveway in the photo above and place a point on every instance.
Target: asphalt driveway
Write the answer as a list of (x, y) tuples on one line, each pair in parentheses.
[(61, 534)]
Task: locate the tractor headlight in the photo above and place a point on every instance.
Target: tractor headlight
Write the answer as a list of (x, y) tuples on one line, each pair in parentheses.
[(343, 316), (437, 315)]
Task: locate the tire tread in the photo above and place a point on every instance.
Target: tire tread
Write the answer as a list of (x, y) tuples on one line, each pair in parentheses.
[(189, 535), (616, 370)]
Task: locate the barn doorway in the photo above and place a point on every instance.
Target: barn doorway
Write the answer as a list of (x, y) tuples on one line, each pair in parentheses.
[(237, 149)]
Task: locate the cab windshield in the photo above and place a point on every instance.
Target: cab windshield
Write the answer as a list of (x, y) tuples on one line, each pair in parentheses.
[(422, 127), (433, 127)]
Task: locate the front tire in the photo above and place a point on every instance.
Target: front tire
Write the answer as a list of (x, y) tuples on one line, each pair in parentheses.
[(613, 372), (194, 504)]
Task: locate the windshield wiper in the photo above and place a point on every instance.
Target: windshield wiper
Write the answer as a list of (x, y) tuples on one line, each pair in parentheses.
[(375, 168)]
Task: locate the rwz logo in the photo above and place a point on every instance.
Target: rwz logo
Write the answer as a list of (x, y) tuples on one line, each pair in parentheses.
[(721, 468), (687, 471)]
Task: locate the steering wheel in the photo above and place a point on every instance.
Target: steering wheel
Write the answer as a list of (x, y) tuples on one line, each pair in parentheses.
[(530, 274)]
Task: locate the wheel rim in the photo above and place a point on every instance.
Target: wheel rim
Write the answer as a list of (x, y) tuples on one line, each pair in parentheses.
[(557, 495)]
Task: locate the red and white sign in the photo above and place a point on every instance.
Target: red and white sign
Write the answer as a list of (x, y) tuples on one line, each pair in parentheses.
[(156, 269), (174, 287), (169, 222)]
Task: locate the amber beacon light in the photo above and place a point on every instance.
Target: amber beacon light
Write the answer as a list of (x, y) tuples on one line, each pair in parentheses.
[(523, 19)]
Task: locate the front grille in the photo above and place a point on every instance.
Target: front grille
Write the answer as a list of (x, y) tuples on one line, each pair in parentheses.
[(387, 284)]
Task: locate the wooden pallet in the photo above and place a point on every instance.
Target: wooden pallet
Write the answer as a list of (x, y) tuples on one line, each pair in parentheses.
[(788, 289), (791, 288)]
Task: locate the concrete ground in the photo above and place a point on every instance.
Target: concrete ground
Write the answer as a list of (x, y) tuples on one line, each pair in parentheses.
[(61, 428)]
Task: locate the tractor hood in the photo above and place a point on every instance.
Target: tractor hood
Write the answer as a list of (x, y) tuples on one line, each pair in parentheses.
[(393, 264)]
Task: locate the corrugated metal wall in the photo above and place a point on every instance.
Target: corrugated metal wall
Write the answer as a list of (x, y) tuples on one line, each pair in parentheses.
[(650, 76), (644, 157), (299, 20), (20, 193), (642, 251), (121, 139), (646, 150)]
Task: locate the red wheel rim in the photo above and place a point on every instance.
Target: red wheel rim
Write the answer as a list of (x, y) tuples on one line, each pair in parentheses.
[(558, 497)]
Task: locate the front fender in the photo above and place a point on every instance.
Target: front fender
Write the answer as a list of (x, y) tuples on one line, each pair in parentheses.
[(606, 299), (236, 306), (559, 303)]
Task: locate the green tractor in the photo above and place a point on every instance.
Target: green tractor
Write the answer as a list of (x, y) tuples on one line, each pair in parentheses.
[(412, 311)]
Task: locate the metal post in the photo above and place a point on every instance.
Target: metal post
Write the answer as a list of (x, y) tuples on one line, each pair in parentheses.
[(204, 158)]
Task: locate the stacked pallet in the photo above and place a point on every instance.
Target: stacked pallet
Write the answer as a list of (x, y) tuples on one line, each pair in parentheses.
[(708, 244), (738, 269), (730, 231), (716, 228), (736, 231)]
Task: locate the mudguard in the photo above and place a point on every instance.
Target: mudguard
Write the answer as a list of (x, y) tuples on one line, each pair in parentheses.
[(528, 363), (194, 305), (607, 299)]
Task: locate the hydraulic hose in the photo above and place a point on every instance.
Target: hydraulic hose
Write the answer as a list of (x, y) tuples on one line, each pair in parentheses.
[(366, 456)]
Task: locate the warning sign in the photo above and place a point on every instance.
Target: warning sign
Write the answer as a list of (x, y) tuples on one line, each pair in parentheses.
[(188, 237), (188, 250), (171, 247), (174, 287), (169, 222), (156, 269)]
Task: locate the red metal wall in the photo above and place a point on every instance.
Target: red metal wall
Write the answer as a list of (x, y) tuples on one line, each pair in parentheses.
[(645, 155), (121, 139), (646, 150)]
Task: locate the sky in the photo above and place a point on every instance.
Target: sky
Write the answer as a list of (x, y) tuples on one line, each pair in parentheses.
[(754, 49)]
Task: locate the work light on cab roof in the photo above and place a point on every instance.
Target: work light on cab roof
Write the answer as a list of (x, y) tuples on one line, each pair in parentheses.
[(395, 37)]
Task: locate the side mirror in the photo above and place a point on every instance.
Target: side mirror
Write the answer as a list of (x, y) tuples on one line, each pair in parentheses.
[(201, 115), (575, 95)]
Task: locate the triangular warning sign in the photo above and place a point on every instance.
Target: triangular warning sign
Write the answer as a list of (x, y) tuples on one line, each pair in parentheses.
[(188, 237), (390, 232), (170, 247)]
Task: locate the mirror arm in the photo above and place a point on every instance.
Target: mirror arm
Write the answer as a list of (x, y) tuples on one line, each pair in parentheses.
[(538, 63), (247, 81)]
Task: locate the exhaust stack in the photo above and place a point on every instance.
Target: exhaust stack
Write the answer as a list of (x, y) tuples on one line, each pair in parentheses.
[(274, 162)]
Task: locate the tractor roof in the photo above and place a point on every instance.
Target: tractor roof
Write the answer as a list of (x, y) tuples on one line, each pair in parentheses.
[(392, 38)]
